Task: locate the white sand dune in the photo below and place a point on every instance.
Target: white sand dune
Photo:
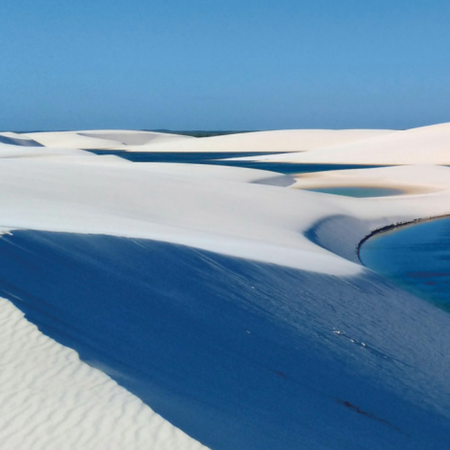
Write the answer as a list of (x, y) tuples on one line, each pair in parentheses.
[(16, 152), (70, 139), (415, 179), (261, 141), (101, 139), (425, 145), (267, 141), (231, 211), (242, 219), (52, 400), (17, 139), (237, 218), (132, 138)]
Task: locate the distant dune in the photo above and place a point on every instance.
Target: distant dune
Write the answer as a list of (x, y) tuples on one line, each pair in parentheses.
[(426, 145), (261, 141)]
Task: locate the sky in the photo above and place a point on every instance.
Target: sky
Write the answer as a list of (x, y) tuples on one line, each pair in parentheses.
[(223, 65)]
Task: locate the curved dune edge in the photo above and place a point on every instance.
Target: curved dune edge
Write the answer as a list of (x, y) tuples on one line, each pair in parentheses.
[(223, 210), (229, 213), (52, 400)]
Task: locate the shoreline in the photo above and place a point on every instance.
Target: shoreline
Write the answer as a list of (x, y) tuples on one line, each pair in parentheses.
[(393, 227)]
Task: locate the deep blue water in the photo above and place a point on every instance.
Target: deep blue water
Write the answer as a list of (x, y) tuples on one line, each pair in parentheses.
[(289, 168), (416, 256), (360, 192), (238, 354), (223, 159), (176, 157)]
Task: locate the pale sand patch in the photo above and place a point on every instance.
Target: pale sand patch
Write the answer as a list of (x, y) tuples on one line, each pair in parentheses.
[(134, 138), (421, 179), (17, 139), (266, 141), (101, 139), (51, 400), (260, 141), (16, 152), (425, 145), (217, 172), (71, 139)]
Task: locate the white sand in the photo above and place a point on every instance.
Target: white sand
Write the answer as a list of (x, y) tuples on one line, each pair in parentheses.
[(266, 141), (425, 145), (135, 138), (418, 179), (17, 139), (51, 400), (226, 210), (261, 141), (102, 139), (233, 217)]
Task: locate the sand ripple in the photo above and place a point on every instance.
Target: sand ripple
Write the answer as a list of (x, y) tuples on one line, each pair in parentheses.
[(52, 400)]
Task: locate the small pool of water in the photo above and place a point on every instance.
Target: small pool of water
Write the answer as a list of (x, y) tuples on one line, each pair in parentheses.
[(415, 256), (176, 157), (357, 191), (289, 168), (226, 159)]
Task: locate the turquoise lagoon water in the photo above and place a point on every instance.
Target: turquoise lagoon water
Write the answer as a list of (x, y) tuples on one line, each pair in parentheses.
[(415, 256)]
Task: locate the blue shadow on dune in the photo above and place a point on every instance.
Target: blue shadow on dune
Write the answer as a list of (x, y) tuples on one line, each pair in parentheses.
[(19, 142), (238, 354), (357, 191)]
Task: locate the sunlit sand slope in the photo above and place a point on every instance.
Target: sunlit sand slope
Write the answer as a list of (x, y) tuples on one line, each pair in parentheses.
[(427, 145), (51, 400)]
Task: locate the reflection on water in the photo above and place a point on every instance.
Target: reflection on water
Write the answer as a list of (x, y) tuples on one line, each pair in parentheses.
[(415, 256), (356, 191)]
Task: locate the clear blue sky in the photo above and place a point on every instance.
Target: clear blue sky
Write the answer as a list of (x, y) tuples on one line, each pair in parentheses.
[(237, 64)]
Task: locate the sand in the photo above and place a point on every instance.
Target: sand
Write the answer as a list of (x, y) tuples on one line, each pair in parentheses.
[(251, 214)]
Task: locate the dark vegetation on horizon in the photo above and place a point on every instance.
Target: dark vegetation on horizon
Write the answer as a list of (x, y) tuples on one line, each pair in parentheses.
[(194, 133), (201, 133)]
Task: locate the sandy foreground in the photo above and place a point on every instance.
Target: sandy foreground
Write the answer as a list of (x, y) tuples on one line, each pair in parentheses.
[(49, 183)]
